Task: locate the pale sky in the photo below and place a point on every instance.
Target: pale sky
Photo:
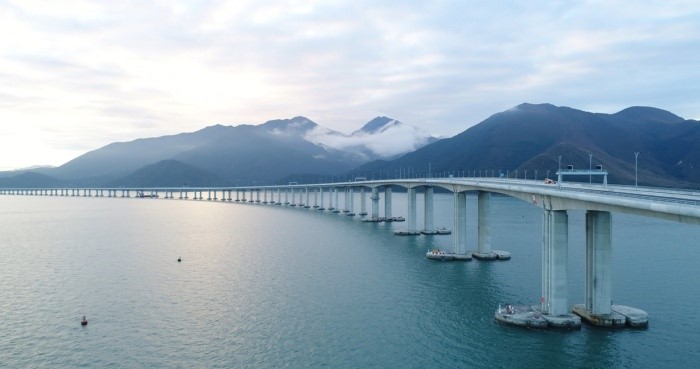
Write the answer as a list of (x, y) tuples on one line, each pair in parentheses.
[(77, 75)]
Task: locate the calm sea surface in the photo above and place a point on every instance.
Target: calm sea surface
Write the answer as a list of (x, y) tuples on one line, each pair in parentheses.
[(273, 287)]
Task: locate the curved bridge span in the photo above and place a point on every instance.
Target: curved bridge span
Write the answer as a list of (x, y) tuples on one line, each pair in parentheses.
[(599, 202)]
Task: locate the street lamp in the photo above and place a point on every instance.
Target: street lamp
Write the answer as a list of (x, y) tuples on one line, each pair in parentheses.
[(560, 162), (590, 167), (635, 168)]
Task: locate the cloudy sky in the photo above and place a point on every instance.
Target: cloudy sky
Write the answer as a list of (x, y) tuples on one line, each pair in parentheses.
[(75, 76)]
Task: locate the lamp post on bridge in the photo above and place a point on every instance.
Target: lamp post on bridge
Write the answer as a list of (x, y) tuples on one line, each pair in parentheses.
[(636, 154)]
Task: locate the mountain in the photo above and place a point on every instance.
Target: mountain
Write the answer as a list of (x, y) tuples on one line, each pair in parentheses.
[(31, 180), (170, 173), (532, 137), (380, 138), (263, 153)]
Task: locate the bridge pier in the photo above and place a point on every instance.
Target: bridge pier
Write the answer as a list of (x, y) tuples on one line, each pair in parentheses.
[(337, 202), (484, 251), (363, 203), (306, 204), (387, 202), (320, 195), (375, 202), (350, 200), (428, 219), (553, 309), (411, 228), (598, 308), (459, 240), (554, 262)]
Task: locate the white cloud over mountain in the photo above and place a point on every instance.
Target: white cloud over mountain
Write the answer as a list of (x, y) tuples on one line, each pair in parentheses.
[(392, 138)]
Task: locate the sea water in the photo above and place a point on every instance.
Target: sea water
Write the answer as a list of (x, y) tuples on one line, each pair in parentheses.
[(263, 286)]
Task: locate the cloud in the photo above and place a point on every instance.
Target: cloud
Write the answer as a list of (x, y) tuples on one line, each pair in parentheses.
[(392, 140), (133, 69)]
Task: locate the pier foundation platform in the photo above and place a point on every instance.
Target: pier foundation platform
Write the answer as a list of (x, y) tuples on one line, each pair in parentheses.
[(620, 316)]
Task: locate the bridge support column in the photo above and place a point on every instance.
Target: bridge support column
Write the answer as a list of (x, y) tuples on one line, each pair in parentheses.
[(598, 308), (484, 251), (363, 202), (320, 195), (337, 202), (554, 262), (306, 204), (350, 194), (387, 203), (459, 240), (346, 198), (375, 202), (257, 195), (411, 228), (428, 221), (553, 303)]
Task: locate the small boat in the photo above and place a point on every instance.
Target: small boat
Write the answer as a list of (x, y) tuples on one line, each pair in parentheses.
[(179, 259), (84, 321)]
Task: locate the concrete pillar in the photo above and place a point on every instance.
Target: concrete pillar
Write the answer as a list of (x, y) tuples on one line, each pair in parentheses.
[(337, 203), (286, 196), (387, 202), (320, 195), (257, 195), (459, 239), (411, 211), (363, 202), (375, 202), (554, 262), (307, 196), (598, 262), (428, 222), (484, 222), (351, 199)]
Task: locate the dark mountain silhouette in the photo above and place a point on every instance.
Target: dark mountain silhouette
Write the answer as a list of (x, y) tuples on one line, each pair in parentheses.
[(241, 154), (31, 180), (528, 137), (170, 173), (531, 137)]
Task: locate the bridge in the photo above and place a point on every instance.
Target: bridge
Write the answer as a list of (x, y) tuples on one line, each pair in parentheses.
[(555, 199)]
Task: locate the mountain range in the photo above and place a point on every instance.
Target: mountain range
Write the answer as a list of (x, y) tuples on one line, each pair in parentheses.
[(528, 137), (533, 136), (219, 155)]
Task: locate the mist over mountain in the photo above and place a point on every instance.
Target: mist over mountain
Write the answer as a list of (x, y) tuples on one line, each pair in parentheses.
[(532, 137), (261, 153), (380, 138), (528, 137)]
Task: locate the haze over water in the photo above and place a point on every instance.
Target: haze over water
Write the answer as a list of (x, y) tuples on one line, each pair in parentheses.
[(268, 287)]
